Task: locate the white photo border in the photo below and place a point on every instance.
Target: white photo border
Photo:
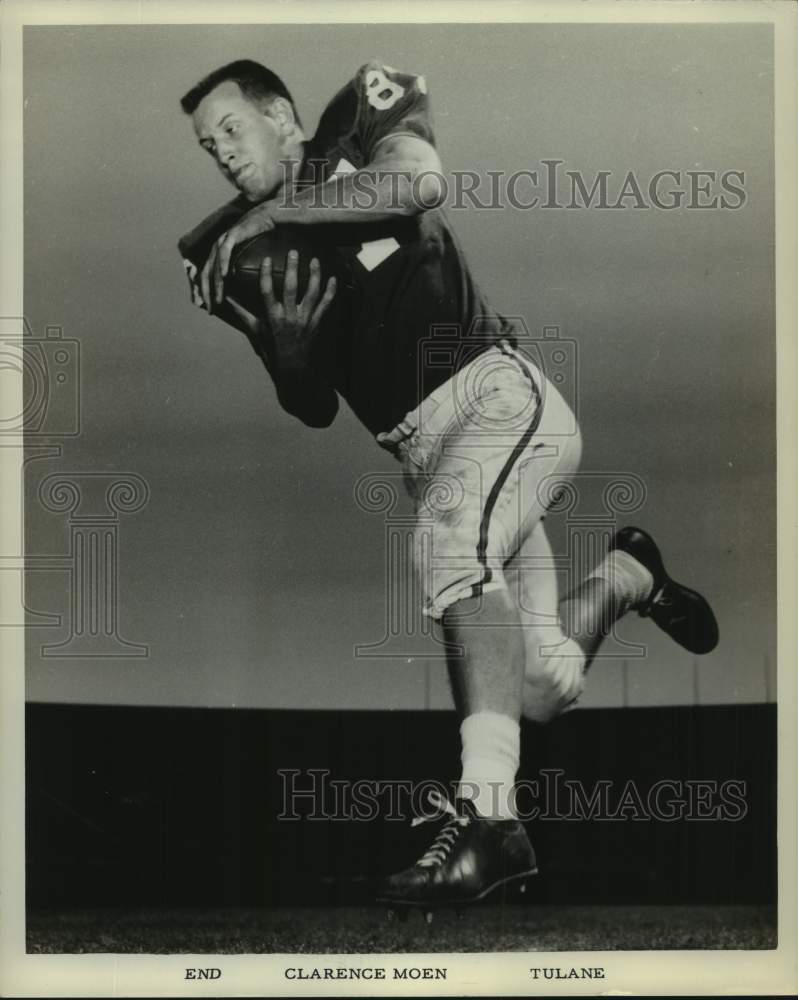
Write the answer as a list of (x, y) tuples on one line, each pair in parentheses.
[(674, 973)]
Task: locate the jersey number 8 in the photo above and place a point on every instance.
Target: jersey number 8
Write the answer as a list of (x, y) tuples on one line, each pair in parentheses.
[(381, 92)]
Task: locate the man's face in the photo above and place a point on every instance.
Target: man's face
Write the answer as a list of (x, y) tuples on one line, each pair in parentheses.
[(246, 143)]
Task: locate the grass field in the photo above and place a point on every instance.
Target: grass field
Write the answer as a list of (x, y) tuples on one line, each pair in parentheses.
[(366, 930)]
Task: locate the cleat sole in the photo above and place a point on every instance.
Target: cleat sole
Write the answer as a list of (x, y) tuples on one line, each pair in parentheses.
[(402, 906)]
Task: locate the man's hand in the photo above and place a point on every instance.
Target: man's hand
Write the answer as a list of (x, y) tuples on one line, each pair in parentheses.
[(290, 324), (282, 340), (259, 219)]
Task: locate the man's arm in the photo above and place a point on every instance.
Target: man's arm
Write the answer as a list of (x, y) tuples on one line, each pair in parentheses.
[(302, 394), (281, 341), (402, 178)]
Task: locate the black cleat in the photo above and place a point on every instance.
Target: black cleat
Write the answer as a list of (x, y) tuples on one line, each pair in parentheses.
[(681, 613), (469, 859)]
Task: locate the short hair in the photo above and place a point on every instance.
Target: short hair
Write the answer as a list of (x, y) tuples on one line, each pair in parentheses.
[(256, 82)]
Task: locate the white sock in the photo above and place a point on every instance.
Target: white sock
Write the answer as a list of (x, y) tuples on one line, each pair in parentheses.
[(490, 756), (631, 582)]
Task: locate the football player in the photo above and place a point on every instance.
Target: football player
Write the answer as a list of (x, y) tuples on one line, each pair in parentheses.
[(442, 380)]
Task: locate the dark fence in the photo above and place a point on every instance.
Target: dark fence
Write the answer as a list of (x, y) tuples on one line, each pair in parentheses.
[(130, 806)]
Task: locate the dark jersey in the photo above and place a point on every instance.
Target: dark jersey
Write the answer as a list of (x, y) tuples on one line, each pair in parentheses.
[(412, 314)]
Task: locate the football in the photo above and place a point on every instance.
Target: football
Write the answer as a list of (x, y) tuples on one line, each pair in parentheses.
[(243, 280)]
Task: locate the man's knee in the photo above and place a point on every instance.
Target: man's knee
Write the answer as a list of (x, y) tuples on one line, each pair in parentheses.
[(461, 586), (553, 680), (494, 606)]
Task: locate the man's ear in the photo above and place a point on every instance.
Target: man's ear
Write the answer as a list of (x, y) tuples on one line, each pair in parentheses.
[(281, 111)]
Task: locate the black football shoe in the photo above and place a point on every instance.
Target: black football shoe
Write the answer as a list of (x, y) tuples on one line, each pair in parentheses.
[(681, 613), (468, 859)]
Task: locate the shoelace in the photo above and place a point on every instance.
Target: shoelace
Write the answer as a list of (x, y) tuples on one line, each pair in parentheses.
[(442, 845), (659, 599)]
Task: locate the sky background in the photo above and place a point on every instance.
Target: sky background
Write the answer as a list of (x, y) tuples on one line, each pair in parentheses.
[(251, 573)]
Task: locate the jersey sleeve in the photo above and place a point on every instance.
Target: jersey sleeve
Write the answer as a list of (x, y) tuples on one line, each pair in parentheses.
[(390, 103)]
